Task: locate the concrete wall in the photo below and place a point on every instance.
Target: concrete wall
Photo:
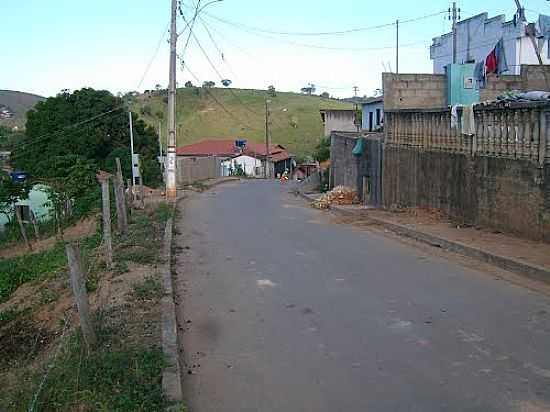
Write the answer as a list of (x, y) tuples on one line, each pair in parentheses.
[(508, 195), (345, 167), (339, 120), (414, 91), (194, 169), (429, 91), (371, 108)]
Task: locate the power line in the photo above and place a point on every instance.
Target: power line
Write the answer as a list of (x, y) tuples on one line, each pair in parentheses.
[(315, 46), (154, 56), (43, 137), (329, 33)]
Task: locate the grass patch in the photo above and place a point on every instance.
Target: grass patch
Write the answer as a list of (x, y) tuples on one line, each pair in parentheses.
[(35, 266), (163, 212), (115, 376), (16, 271), (149, 289)]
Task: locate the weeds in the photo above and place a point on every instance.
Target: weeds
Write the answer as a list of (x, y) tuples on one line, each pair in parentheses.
[(150, 289), (163, 212), (16, 271), (115, 376)]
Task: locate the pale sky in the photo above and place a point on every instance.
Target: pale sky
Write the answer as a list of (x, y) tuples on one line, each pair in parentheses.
[(49, 45)]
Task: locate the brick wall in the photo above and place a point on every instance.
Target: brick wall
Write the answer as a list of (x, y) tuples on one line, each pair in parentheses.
[(508, 195), (429, 91)]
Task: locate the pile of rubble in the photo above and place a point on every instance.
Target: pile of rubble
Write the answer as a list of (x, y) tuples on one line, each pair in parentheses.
[(340, 195)]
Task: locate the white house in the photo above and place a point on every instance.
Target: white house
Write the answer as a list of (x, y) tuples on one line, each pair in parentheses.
[(251, 166), (477, 37)]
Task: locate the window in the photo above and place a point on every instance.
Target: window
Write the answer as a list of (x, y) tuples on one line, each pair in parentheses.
[(378, 117)]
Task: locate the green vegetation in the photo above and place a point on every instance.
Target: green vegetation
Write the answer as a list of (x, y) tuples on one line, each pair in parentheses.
[(322, 151), (149, 289), (67, 157), (296, 120), (35, 266), (117, 375), (16, 271)]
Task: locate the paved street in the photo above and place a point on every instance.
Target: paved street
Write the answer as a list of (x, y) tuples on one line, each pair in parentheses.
[(284, 310)]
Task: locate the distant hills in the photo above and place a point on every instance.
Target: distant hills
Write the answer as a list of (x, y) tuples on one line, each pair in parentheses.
[(240, 113), (14, 106)]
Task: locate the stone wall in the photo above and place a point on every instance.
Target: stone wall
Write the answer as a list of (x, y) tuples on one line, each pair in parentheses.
[(509, 195)]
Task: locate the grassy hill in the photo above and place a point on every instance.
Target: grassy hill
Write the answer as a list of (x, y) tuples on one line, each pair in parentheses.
[(17, 103), (296, 123)]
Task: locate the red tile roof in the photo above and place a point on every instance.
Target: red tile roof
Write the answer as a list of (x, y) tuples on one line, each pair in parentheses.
[(226, 148)]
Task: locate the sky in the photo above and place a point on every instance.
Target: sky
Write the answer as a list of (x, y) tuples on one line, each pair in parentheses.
[(121, 45)]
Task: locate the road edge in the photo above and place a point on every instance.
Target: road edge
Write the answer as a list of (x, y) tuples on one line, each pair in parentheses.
[(513, 265), (171, 376)]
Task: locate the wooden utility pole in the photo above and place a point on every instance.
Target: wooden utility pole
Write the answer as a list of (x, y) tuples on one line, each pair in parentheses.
[(18, 215), (267, 171), (120, 198), (78, 284), (171, 149), (107, 236)]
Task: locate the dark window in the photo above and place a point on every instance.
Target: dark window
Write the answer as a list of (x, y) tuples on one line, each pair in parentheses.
[(378, 117)]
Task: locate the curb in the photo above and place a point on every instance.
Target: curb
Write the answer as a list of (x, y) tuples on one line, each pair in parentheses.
[(171, 377), (513, 265)]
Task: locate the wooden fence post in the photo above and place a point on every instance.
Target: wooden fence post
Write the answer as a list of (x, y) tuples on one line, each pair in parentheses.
[(122, 217), (107, 237), (78, 284), (35, 226), (18, 214)]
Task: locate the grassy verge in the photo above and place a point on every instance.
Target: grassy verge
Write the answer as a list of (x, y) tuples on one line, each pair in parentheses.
[(36, 266), (123, 372)]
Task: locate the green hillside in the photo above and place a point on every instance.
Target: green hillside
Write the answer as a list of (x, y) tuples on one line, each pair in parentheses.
[(17, 103), (296, 121)]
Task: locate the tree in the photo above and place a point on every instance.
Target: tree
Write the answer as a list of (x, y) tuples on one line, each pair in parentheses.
[(158, 87), (325, 95), (322, 151), (271, 91), (309, 89), (84, 127), (189, 84), (226, 82), (208, 84)]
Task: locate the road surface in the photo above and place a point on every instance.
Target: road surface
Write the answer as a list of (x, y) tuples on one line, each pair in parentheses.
[(283, 310)]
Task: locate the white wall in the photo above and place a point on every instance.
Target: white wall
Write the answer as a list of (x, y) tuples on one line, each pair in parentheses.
[(248, 163), (477, 37), (339, 120)]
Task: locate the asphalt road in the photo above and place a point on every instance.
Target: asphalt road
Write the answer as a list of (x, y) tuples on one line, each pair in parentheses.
[(283, 310)]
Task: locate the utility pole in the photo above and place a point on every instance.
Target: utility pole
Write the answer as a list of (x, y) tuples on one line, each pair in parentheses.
[(171, 149), (455, 15), (397, 47), (130, 122), (267, 172), (355, 90)]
